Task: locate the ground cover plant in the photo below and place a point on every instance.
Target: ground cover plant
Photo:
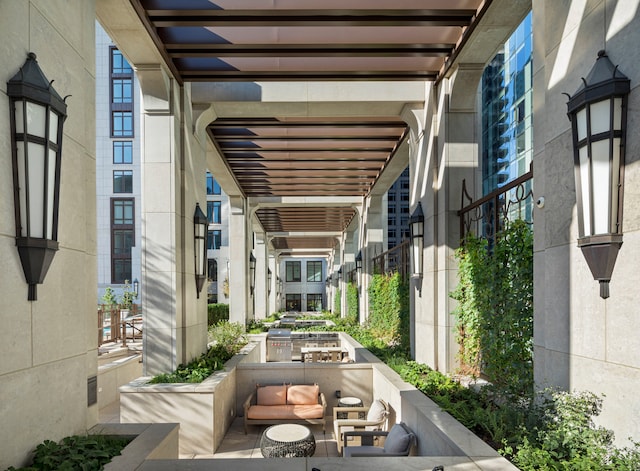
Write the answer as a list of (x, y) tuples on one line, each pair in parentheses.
[(81, 453)]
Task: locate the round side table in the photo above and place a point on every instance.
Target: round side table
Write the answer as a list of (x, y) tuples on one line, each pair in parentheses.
[(349, 401), (287, 441)]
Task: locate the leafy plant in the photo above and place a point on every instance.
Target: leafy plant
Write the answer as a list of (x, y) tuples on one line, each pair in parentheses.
[(82, 453), (495, 308), (227, 338), (217, 313), (128, 296), (337, 303), (388, 311), (109, 297), (353, 305)]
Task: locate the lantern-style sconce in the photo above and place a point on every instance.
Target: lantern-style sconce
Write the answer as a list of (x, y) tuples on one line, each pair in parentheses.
[(598, 114), (252, 272), (359, 260), (136, 287), (339, 274), (280, 285), (327, 281), (269, 279), (200, 225), (416, 225), (37, 114)]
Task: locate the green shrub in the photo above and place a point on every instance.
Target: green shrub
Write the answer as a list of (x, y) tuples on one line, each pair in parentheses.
[(388, 318), (228, 339), (82, 453), (217, 313), (337, 303), (353, 305)]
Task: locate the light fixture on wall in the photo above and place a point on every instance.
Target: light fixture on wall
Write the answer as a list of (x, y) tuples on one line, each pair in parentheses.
[(416, 225), (252, 272), (200, 225), (136, 287), (598, 114), (339, 274), (37, 114), (280, 285), (269, 279), (359, 260)]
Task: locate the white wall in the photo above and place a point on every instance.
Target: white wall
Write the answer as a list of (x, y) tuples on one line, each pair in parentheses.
[(49, 346), (583, 342)]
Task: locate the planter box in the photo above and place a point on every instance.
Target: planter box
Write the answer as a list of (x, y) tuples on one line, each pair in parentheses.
[(152, 441), (203, 410)]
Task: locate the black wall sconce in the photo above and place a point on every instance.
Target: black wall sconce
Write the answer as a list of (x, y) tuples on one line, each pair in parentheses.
[(252, 272), (416, 225), (359, 260), (136, 287), (598, 114), (37, 115), (200, 225), (269, 279)]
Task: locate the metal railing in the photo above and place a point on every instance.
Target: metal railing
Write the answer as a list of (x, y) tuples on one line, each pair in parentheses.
[(117, 325), (394, 260), (488, 216)]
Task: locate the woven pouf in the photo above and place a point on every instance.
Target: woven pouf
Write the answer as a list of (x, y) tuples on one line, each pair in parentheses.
[(287, 441)]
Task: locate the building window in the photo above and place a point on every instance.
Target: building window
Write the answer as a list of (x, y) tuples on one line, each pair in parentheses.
[(214, 240), (122, 239), (119, 64), (122, 90), (122, 124), (214, 215), (212, 269), (123, 181), (314, 302), (293, 271), (314, 271), (122, 152), (391, 196), (294, 302), (213, 188), (391, 209)]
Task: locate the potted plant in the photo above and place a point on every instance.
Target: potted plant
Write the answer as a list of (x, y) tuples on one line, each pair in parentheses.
[(128, 296)]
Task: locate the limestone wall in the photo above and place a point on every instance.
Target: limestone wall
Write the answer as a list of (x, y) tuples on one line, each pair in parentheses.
[(49, 346)]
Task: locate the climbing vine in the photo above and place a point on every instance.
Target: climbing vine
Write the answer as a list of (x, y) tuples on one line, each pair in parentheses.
[(389, 309), (353, 308), (495, 308), (337, 301)]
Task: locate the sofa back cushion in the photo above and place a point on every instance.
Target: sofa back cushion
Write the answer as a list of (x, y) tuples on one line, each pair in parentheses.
[(399, 440), (298, 394), (272, 395)]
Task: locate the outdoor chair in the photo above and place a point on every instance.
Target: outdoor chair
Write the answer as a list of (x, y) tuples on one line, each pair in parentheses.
[(396, 442), (376, 418)]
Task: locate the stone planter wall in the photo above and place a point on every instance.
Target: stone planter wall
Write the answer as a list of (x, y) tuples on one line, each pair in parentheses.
[(203, 410)]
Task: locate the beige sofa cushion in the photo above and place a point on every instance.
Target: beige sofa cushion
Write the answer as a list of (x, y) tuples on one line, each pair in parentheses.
[(301, 394), (288, 412), (272, 395)]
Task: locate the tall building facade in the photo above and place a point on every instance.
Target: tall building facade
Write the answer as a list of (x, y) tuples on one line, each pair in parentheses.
[(118, 191), (304, 281), (217, 242), (507, 110), (398, 210)]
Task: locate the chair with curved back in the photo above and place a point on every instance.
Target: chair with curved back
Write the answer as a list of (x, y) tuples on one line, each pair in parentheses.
[(376, 418)]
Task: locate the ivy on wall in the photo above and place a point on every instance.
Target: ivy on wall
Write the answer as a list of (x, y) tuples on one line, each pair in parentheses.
[(353, 306), (495, 308), (337, 303), (389, 309)]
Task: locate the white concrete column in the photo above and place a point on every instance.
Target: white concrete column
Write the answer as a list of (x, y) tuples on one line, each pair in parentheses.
[(175, 319), (273, 288), (372, 245), (238, 262), (444, 152), (260, 295)]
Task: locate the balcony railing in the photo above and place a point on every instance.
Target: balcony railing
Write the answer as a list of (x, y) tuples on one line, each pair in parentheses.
[(489, 215), (394, 260)]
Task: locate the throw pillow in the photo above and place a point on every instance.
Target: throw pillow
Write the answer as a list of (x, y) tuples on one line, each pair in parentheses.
[(398, 440), (377, 411), (300, 394)]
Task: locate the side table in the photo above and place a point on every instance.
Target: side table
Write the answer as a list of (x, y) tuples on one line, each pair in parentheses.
[(350, 401), (287, 441)]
